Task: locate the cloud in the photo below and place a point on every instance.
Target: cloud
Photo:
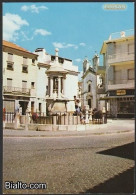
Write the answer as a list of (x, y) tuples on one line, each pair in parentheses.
[(78, 60), (33, 8), (12, 23), (25, 37), (42, 32), (64, 45), (82, 44)]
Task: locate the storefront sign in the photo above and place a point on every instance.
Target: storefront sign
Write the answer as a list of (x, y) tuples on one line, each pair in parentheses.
[(121, 92)]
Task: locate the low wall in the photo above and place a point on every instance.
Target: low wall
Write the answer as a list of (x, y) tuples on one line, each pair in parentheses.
[(9, 125), (43, 127)]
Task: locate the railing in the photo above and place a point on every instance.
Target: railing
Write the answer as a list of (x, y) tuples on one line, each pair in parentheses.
[(101, 90), (58, 118), (65, 118), (8, 117), (14, 90), (122, 34), (120, 57), (113, 86)]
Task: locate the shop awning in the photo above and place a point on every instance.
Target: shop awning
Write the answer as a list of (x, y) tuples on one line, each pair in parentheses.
[(116, 97)]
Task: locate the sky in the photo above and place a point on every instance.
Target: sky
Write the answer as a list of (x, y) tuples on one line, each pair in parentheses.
[(77, 29)]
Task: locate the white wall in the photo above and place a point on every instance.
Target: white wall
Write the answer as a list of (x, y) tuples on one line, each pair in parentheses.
[(17, 75), (71, 86)]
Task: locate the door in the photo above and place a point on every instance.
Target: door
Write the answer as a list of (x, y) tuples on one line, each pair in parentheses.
[(23, 105)]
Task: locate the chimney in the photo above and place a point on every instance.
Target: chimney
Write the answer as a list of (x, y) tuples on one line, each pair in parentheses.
[(56, 54)]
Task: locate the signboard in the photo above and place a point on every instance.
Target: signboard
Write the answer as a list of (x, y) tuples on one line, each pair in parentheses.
[(121, 92)]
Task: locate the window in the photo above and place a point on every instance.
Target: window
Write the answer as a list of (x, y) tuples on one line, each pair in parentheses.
[(47, 90), (32, 85), (52, 58), (9, 85), (89, 103), (55, 84), (130, 74), (9, 105), (33, 61), (10, 57), (40, 107), (61, 60), (10, 66), (24, 60), (9, 82), (89, 88), (25, 69), (32, 107), (126, 107), (24, 84)]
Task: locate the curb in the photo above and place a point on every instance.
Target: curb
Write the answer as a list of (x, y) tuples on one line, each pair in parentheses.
[(71, 135)]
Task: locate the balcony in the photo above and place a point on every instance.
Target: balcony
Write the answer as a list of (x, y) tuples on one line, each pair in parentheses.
[(125, 33), (121, 86), (101, 90), (120, 57), (16, 90)]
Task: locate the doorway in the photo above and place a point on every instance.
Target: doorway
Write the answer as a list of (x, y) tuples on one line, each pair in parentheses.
[(23, 105)]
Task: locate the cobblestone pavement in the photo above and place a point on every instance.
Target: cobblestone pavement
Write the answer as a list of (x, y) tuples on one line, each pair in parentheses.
[(68, 164)]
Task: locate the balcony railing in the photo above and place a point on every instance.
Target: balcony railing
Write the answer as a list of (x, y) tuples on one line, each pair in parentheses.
[(125, 33), (16, 90), (121, 57), (121, 86), (101, 90)]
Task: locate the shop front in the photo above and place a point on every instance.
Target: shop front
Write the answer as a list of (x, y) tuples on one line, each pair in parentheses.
[(121, 103)]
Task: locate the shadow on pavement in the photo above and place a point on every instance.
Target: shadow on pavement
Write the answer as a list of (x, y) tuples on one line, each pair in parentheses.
[(122, 183), (124, 151)]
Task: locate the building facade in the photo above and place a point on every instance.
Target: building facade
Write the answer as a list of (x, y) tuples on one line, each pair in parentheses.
[(34, 81), (61, 81), (118, 56), (19, 78), (93, 80)]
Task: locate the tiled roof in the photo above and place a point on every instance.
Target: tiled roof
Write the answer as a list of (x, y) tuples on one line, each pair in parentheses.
[(12, 45)]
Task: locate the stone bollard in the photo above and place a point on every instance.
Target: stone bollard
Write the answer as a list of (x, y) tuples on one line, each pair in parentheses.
[(17, 122), (86, 114), (104, 119), (90, 115), (26, 121)]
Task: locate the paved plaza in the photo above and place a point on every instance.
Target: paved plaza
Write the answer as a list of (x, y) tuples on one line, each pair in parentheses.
[(112, 126), (89, 163)]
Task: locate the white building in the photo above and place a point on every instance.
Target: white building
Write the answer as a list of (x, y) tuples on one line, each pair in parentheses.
[(19, 78), (60, 80), (118, 54), (93, 87)]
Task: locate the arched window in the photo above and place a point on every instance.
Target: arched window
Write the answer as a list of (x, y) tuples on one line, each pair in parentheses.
[(89, 88)]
